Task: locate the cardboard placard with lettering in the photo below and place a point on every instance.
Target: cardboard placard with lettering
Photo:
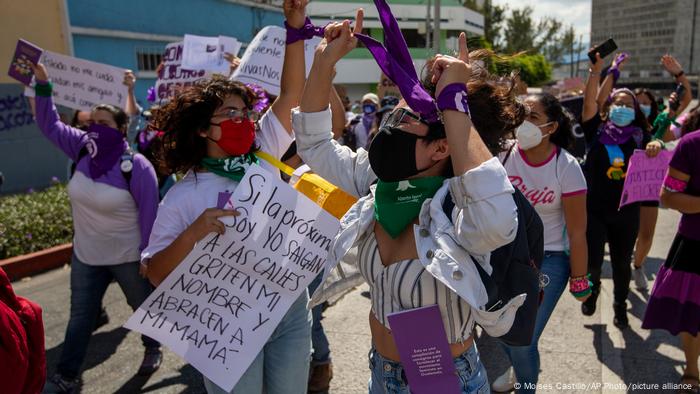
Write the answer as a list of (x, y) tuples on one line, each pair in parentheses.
[(644, 177), (82, 84), (223, 301), (262, 61), (171, 76), (207, 53)]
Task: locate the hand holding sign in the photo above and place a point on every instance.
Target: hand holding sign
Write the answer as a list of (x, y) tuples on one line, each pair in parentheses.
[(208, 222), (40, 72)]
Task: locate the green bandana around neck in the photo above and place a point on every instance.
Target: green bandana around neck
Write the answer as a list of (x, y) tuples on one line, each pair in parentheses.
[(397, 204), (233, 167)]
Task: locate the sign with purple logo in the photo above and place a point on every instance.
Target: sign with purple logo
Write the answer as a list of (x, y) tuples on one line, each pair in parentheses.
[(645, 176), (26, 54), (425, 354)]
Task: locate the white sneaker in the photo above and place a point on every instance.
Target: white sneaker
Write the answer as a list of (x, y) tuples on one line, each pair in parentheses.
[(639, 279), (505, 383)]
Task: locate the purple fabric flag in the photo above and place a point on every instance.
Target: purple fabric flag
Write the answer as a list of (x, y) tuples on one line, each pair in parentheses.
[(26, 54), (425, 354), (395, 61)]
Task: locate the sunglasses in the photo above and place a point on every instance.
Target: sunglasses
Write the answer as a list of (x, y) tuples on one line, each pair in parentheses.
[(401, 116)]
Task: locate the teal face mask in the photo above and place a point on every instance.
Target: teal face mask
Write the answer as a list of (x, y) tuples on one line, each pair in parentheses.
[(646, 109), (621, 116)]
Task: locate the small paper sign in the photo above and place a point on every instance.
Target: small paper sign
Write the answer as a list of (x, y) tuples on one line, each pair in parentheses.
[(644, 178), (26, 54), (425, 354)]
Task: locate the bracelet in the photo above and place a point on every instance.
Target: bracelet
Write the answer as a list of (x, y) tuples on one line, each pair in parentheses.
[(305, 32), (680, 74), (454, 97), (582, 293), (43, 89), (592, 73)]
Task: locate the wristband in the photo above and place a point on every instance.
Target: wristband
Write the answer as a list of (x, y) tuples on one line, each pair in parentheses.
[(454, 97), (306, 32), (680, 74), (674, 185), (43, 89), (615, 74)]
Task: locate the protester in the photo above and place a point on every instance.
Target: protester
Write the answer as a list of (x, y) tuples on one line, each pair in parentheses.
[(432, 160), (551, 178), (649, 210), (613, 131), (114, 198), (674, 304), (210, 132), (362, 126)]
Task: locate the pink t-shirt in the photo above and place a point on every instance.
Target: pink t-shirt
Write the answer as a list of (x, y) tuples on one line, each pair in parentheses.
[(544, 185)]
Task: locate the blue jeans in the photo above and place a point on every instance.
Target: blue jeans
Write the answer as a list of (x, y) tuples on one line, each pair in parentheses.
[(88, 284), (387, 376), (282, 366), (526, 359), (321, 353)]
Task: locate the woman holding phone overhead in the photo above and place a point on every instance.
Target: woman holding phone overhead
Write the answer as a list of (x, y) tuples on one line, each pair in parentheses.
[(427, 151)]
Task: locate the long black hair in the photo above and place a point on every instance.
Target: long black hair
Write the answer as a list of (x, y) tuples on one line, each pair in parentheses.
[(563, 136), (654, 104)]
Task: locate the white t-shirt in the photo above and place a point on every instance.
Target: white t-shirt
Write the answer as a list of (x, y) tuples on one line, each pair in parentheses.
[(196, 192), (544, 185), (106, 222)]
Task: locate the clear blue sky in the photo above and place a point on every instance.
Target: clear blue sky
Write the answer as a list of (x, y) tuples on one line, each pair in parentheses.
[(570, 12)]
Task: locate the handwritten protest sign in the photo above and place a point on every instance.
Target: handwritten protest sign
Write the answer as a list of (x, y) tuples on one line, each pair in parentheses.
[(644, 177), (172, 76), (207, 53), (221, 304), (262, 61), (82, 84)]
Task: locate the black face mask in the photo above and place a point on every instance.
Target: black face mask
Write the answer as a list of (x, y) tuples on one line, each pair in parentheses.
[(392, 154)]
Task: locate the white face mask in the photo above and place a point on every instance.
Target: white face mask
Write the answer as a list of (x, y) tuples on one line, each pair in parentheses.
[(529, 135)]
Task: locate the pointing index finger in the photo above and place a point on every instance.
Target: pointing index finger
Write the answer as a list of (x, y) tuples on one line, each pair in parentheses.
[(463, 49), (358, 21)]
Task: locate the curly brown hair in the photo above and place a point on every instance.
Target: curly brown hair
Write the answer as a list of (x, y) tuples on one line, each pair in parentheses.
[(493, 105), (189, 113)]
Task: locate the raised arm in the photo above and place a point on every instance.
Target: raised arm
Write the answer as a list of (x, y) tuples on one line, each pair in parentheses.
[(674, 68), (312, 122), (611, 78), (338, 112), (293, 68), (590, 105), (66, 138)]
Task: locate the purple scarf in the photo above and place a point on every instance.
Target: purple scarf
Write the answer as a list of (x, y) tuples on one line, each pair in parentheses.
[(105, 146), (395, 61), (611, 134)]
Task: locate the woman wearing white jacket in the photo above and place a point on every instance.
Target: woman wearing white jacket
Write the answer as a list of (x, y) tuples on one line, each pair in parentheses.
[(410, 252)]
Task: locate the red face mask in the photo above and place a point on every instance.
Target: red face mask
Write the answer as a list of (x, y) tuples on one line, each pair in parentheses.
[(236, 138)]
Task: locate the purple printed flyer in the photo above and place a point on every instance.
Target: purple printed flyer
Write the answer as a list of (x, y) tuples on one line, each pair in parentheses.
[(425, 354), (26, 54)]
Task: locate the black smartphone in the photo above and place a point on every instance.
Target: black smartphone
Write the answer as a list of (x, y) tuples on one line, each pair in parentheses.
[(603, 49), (680, 91)]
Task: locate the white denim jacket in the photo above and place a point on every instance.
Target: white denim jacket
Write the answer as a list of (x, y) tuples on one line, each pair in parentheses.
[(484, 218)]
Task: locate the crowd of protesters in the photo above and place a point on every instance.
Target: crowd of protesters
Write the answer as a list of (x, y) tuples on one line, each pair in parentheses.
[(437, 171)]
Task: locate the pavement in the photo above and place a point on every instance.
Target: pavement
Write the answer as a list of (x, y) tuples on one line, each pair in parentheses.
[(578, 353)]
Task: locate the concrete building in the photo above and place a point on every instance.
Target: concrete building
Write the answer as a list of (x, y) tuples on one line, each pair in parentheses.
[(647, 29), (358, 71)]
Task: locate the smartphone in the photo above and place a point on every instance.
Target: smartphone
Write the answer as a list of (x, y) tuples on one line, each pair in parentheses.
[(680, 91), (603, 49)]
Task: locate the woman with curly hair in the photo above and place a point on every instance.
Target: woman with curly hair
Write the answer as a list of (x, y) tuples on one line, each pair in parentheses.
[(426, 153), (211, 131)]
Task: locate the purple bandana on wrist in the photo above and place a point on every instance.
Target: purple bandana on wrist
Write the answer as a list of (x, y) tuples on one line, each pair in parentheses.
[(395, 61), (105, 146), (454, 96), (306, 32)]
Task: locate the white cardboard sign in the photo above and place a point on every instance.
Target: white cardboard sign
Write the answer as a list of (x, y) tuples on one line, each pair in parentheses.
[(262, 60), (82, 84), (221, 304), (207, 53)]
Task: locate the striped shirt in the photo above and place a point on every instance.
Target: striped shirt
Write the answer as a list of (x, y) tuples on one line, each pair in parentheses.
[(407, 285)]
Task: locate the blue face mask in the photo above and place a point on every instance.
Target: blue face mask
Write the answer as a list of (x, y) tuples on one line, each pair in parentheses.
[(369, 108), (646, 109), (621, 116)]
